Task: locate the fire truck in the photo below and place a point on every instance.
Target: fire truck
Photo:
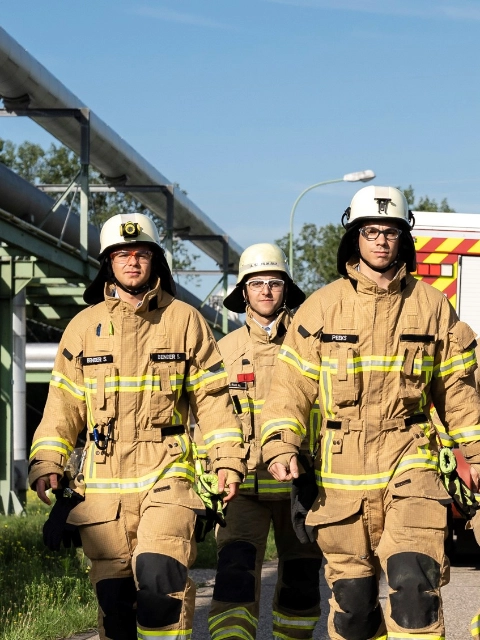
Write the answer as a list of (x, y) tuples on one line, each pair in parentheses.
[(448, 258)]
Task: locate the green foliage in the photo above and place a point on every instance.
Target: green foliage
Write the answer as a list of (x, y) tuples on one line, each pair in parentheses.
[(315, 255), (425, 203), (43, 595), (59, 165)]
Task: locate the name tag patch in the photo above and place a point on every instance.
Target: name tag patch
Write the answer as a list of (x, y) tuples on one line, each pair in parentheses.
[(339, 337), (88, 360), (238, 385), (168, 357), (416, 337)]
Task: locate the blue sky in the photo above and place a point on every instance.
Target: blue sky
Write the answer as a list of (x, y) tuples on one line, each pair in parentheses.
[(247, 102)]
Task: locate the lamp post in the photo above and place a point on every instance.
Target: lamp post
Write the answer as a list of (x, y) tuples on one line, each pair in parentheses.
[(357, 176)]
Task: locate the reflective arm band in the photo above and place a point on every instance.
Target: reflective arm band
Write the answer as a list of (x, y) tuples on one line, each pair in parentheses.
[(291, 357), (63, 447)]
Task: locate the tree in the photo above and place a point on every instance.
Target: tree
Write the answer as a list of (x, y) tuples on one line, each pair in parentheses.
[(425, 203), (315, 248), (59, 165), (315, 251)]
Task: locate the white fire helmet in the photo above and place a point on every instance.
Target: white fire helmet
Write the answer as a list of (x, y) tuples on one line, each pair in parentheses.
[(256, 259), (380, 205), (128, 228)]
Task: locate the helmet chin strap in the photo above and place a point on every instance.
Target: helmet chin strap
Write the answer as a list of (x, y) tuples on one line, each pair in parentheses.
[(132, 291)]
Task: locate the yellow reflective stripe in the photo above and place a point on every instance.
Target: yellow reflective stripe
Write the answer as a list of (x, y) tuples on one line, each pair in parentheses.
[(363, 482), (249, 405), (291, 357), (238, 612), (273, 486), (466, 434), (327, 452), (289, 621), (204, 377), (326, 393), (51, 444), (177, 417), (147, 382), (272, 426), (201, 452), (222, 435), (176, 634), (361, 364), (460, 362), (62, 382), (249, 482), (144, 483), (395, 635), (475, 626)]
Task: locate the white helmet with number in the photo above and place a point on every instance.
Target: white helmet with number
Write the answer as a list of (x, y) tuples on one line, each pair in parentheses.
[(256, 259), (122, 230), (379, 205)]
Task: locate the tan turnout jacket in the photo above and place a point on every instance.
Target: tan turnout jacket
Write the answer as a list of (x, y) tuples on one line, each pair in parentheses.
[(136, 372), (378, 359)]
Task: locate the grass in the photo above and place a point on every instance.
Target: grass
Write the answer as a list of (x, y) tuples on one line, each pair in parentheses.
[(47, 595), (43, 595)]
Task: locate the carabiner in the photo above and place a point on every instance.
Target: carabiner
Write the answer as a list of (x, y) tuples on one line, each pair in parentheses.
[(107, 438)]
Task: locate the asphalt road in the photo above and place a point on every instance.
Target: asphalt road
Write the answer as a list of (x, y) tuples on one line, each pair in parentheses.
[(461, 601)]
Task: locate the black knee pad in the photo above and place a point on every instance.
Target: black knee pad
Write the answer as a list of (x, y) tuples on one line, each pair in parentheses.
[(300, 590), (412, 576), (117, 597), (157, 577), (234, 582), (361, 616)]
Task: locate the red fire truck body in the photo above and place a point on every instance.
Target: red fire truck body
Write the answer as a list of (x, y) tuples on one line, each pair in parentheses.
[(448, 258)]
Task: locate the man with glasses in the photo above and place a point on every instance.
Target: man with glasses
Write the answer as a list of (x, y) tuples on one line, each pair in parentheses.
[(266, 292), (130, 368), (378, 348)]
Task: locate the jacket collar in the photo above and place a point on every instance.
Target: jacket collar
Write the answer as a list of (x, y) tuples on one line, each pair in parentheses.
[(362, 284), (154, 298), (278, 329)]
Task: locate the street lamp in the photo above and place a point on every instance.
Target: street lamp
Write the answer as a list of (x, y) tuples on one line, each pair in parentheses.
[(357, 176)]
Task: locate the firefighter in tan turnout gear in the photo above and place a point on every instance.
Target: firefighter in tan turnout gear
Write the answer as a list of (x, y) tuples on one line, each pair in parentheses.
[(129, 368), (378, 347), (266, 292)]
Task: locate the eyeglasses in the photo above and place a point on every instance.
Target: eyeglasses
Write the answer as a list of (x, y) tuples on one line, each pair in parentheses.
[(143, 256), (273, 285), (372, 233)]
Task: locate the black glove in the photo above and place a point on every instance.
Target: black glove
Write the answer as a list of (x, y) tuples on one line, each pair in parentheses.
[(303, 495), (205, 522), (56, 529)]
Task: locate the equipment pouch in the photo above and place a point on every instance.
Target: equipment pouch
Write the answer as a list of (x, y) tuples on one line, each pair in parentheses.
[(345, 381)]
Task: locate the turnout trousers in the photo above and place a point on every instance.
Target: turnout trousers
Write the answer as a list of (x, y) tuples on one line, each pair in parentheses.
[(241, 548), (404, 536), (140, 559)]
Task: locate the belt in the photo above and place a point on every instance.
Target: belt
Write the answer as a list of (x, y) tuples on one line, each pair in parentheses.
[(149, 435), (385, 425)]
